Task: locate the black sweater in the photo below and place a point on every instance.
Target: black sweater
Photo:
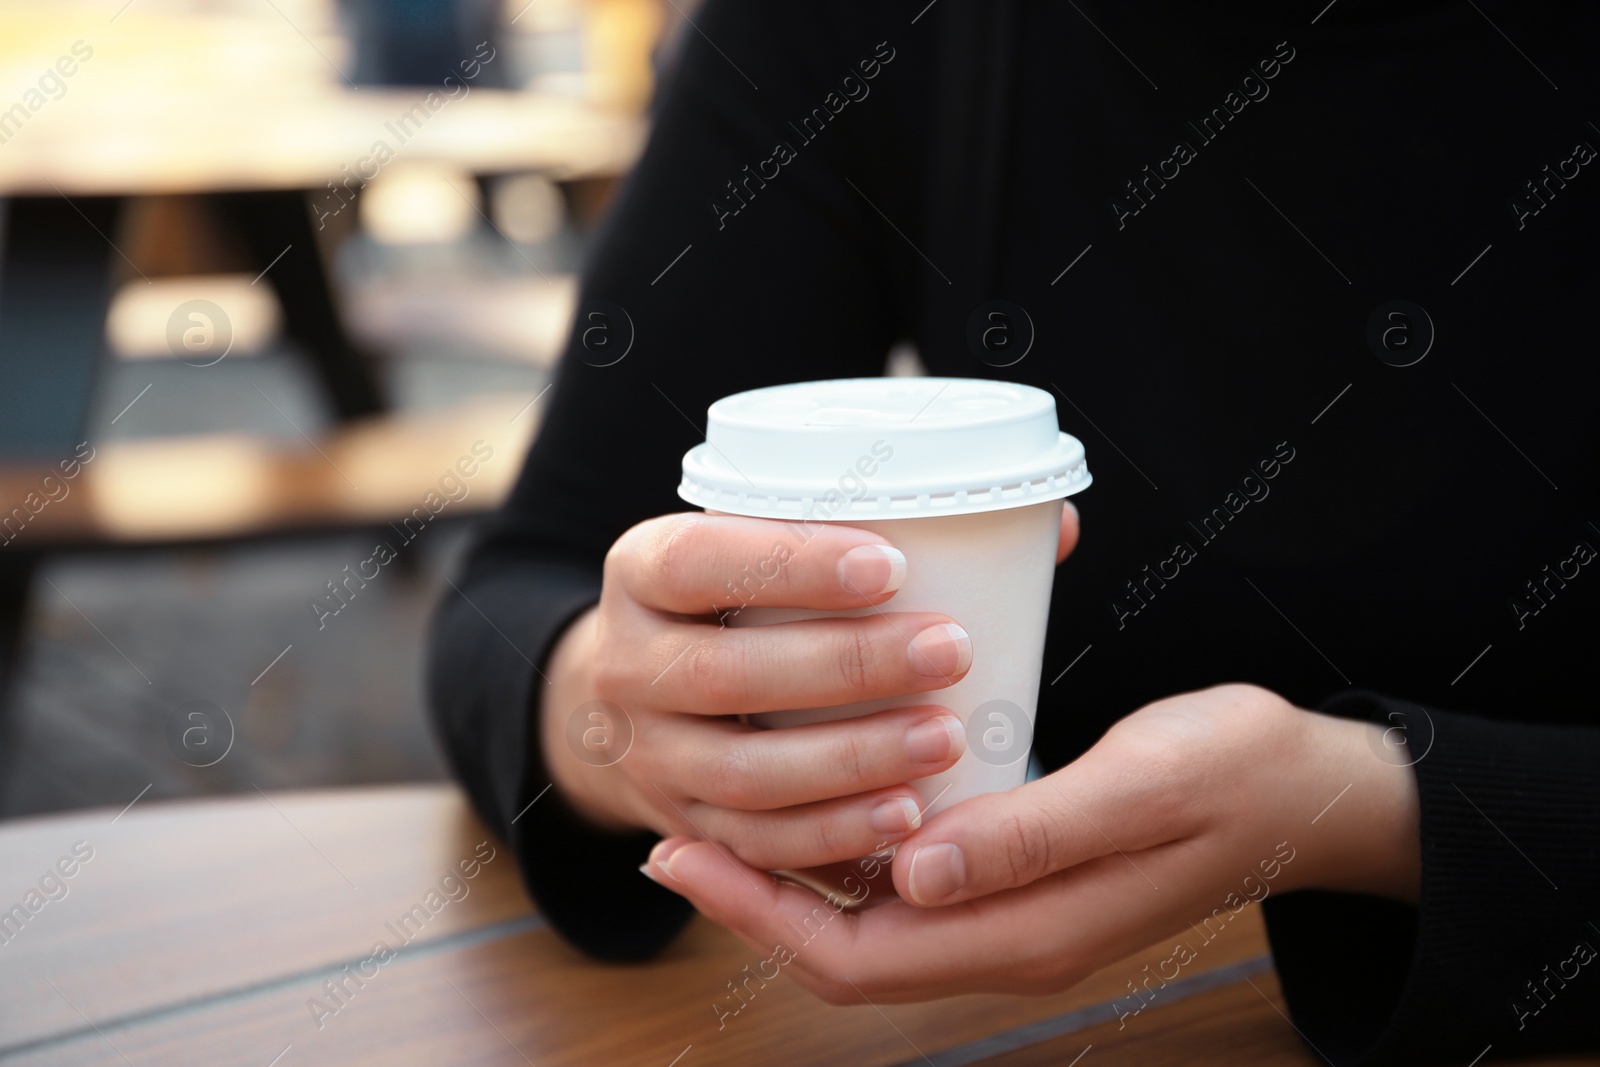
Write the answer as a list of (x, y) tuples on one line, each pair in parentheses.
[(1205, 216)]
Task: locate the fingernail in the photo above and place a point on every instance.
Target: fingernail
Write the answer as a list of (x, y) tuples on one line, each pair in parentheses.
[(897, 815), (940, 651), (937, 873), (872, 569), (660, 857), (936, 740)]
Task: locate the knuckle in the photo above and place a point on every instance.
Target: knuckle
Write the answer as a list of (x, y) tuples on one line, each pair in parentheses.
[(626, 551), (717, 673), (660, 553), (857, 657), (617, 663), (1025, 843), (1237, 692), (608, 685), (1261, 715), (850, 755), (617, 557), (644, 762), (1162, 747), (612, 678), (733, 779), (829, 841)]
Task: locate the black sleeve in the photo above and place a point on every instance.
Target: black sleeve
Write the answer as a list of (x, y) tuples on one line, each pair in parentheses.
[(1501, 948), (698, 297)]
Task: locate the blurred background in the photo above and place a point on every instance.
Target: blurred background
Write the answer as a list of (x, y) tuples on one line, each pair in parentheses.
[(281, 284)]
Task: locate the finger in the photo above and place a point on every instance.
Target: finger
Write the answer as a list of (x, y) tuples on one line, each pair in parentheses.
[(1102, 805), (744, 899), (731, 890), (696, 564), (890, 953), (812, 835), (1069, 531), (735, 766), (811, 663)]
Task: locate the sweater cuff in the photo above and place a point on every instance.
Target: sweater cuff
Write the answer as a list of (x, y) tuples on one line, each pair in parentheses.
[(491, 640), (1490, 955)]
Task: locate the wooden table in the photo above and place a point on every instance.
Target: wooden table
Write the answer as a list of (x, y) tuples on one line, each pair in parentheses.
[(199, 932)]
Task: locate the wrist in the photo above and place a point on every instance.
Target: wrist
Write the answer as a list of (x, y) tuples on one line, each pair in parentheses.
[(1368, 838)]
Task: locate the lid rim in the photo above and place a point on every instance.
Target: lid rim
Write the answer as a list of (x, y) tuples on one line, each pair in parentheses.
[(1011, 490), (856, 511), (1063, 457)]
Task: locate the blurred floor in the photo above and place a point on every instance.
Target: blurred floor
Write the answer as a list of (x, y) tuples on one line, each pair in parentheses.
[(344, 705)]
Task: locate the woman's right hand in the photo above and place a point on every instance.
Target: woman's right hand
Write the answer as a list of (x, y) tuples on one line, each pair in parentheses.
[(656, 647)]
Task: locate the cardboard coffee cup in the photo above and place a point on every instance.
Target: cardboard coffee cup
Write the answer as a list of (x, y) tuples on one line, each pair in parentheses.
[(965, 477)]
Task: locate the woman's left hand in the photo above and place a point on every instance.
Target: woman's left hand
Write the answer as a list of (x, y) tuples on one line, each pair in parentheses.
[(1194, 805)]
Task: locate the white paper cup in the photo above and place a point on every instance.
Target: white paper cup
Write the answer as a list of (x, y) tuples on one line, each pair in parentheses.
[(965, 477), (991, 572)]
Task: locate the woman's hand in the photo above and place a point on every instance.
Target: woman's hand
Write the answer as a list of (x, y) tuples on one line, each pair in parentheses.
[(655, 648), (1186, 810)]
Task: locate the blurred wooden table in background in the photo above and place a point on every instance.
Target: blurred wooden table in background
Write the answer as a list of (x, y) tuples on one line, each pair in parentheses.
[(247, 108), (196, 97), (251, 106), (201, 933)]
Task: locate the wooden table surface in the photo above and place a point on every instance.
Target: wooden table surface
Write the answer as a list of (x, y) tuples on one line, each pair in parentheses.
[(201, 931)]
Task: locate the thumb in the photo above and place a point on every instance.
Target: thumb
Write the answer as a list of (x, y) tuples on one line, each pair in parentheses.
[(1092, 808)]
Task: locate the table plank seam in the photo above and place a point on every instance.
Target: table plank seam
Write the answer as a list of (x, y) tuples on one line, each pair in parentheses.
[(1035, 1033), (465, 939)]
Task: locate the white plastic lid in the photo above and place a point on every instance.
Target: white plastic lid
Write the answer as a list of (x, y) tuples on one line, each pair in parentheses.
[(863, 448)]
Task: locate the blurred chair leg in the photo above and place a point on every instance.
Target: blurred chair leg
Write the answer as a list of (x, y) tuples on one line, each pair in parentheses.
[(55, 286), (269, 223), (16, 574)]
